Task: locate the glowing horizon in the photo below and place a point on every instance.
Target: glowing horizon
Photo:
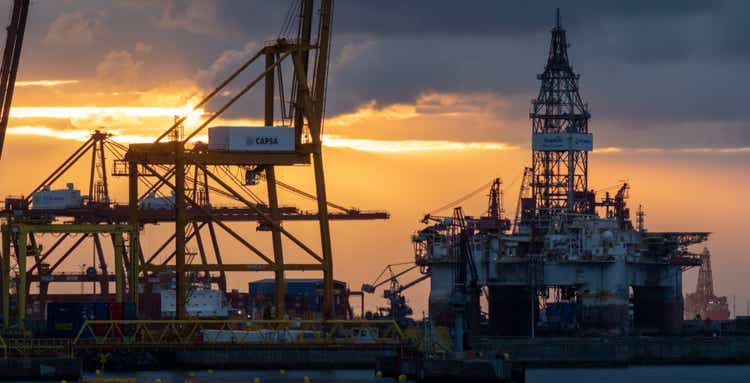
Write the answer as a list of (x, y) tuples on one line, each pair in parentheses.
[(85, 112), (360, 144), (46, 83)]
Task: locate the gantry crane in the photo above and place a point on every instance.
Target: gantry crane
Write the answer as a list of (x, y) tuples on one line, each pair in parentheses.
[(98, 207), (192, 211), (306, 117)]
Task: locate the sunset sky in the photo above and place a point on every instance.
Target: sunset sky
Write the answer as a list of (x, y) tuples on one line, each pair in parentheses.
[(426, 102)]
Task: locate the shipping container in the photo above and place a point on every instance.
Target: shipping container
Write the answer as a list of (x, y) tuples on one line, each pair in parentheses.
[(251, 139), (101, 312), (115, 311), (199, 304), (150, 307), (65, 319), (48, 199), (304, 298), (129, 311)]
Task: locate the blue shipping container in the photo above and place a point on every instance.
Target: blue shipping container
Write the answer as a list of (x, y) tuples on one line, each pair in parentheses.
[(128, 311), (65, 319)]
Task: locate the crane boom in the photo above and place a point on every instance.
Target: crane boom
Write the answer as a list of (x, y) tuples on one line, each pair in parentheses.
[(11, 58)]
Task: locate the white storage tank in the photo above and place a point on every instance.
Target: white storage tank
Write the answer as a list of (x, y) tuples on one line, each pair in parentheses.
[(48, 199), (251, 139)]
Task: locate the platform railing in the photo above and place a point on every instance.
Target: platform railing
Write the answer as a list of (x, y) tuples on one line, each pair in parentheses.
[(238, 333), (27, 346)]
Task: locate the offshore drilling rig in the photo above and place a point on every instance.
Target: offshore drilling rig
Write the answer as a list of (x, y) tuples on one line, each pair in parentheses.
[(567, 251), (703, 303)]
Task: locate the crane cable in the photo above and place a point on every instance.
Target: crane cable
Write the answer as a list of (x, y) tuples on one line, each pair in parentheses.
[(462, 199), (473, 193), (303, 193)]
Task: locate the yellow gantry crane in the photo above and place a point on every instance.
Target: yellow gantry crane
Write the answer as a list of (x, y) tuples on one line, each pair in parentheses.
[(309, 55), (307, 103), (11, 58)]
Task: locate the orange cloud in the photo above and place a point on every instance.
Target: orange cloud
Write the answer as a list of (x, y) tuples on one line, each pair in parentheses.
[(404, 146), (85, 112), (46, 83)]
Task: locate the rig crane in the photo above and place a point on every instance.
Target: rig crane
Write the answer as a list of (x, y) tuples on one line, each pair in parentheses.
[(465, 294), (494, 221)]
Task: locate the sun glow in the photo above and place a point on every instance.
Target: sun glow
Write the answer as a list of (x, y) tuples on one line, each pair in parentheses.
[(404, 146), (86, 112), (46, 83)]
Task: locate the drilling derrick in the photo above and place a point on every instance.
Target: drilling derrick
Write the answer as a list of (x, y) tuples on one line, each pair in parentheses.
[(561, 139), (703, 303)]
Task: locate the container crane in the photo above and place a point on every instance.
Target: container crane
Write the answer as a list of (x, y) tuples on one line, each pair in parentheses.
[(398, 310), (11, 57)]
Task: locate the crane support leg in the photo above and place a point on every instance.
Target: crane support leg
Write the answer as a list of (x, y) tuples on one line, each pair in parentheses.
[(21, 288), (6, 277), (273, 199), (180, 223), (119, 267), (135, 249)]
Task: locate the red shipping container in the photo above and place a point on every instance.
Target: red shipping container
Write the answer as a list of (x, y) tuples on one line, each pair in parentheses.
[(115, 311), (101, 312), (150, 306)]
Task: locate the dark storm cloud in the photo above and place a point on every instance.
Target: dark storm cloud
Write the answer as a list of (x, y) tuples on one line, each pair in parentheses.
[(645, 65), (446, 17), (491, 17)]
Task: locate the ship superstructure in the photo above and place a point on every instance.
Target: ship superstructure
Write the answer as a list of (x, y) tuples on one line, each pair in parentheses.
[(565, 247)]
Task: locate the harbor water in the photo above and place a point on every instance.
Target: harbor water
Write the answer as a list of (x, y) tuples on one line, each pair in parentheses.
[(639, 374)]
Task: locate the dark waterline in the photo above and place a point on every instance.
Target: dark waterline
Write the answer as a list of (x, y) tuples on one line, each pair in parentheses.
[(643, 374), (635, 374)]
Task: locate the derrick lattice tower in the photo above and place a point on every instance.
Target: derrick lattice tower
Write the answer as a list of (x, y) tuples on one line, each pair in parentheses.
[(705, 286), (560, 136), (704, 303)]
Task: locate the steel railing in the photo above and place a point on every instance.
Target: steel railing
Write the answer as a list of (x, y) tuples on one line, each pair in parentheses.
[(219, 333)]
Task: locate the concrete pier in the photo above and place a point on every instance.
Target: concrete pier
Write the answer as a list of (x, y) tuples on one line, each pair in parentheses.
[(582, 352), (239, 358), (285, 359), (46, 368)]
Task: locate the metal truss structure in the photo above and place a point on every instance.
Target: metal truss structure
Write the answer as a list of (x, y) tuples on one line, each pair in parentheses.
[(306, 115), (244, 334), (152, 170), (21, 234), (561, 138)]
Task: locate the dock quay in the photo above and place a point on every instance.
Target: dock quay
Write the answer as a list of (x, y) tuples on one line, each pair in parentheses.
[(40, 368), (453, 367), (618, 351)]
